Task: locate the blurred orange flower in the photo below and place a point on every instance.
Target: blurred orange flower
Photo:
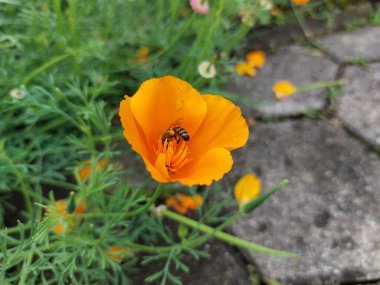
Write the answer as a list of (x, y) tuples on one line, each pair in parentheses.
[(60, 209), (85, 171), (300, 2), (181, 203), (142, 55), (116, 253), (247, 188), (182, 135), (275, 11), (283, 89), (244, 68), (256, 59)]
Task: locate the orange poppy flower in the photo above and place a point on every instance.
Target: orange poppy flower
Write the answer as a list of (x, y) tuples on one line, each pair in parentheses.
[(182, 135), (283, 89), (247, 188), (256, 59), (59, 209), (181, 203), (85, 171), (300, 2)]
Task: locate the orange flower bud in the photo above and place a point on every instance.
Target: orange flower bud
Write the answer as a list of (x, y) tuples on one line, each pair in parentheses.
[(60, 210), (247, 188)]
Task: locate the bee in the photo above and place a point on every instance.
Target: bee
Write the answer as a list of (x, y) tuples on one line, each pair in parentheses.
[(175, 132)]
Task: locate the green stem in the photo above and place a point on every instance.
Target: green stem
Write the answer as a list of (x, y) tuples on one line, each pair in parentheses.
[(319, 85), (224, 236), (148, 248), (45, 66), (146, 207)]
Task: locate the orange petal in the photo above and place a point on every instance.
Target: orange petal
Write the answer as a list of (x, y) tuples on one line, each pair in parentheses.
[(245, 69), (132, 131), (211, 166), (195, 202), (177, 203), (159, 171), (58, 228), (223, 126), (160, 102), (256, 59), (283, 89), (247, 188), (135, 136), (300, 2)]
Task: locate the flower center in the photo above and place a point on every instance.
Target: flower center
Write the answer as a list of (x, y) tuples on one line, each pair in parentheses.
[(175, 149)]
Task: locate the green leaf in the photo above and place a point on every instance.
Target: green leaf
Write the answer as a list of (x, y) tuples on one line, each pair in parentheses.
[(250, 206)]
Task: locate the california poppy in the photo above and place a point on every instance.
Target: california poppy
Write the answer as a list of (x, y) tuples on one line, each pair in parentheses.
[(182, 135), (60, 210), (181, 203)]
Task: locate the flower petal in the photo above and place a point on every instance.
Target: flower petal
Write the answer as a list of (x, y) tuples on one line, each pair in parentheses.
[(132, 131), (211, 166), (135, 136), (159, 171), (160, 102), (223, 126), (247, 188)]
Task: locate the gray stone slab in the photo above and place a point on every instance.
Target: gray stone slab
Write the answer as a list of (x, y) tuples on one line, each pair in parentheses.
[(299, 65), (329, 212), (359, 108), (363, 44), (292, 32)]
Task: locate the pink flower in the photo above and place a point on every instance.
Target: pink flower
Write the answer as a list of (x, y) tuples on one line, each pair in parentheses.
[(200, 6)]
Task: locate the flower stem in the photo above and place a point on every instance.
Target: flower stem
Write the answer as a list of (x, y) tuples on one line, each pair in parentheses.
[(224, 236), (45, 66), (319, 85), (143, 209)]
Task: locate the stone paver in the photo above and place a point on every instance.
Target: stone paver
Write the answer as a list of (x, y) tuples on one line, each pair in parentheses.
[(329, 212), (297, 64), (363, 44), (359, 108)]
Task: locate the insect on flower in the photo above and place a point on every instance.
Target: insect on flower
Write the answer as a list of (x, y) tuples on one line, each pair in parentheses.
[(175, 132)]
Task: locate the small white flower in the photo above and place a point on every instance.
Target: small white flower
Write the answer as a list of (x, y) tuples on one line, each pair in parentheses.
[(157, 211), (206, 69), (266, 4), (17, 94)]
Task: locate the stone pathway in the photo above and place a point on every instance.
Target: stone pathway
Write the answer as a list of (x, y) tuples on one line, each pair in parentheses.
[(329, 213)]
